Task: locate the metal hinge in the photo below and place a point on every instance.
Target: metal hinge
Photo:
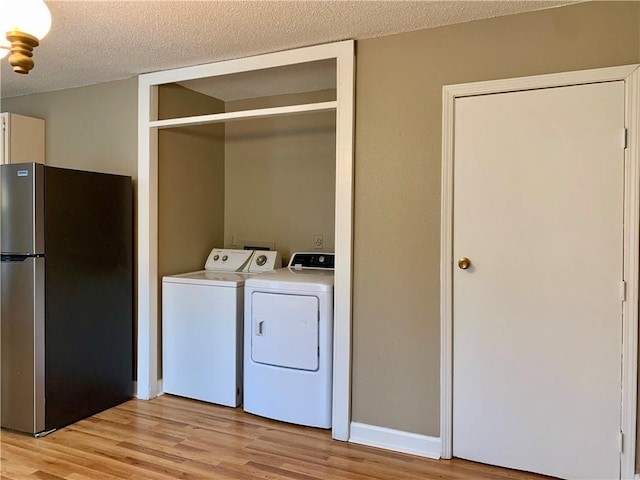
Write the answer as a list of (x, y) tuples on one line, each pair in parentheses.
[(623, 291), (621, 443), (625, 138)]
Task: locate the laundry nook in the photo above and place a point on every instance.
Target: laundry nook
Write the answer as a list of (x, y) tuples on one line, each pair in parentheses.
[(246, 219)]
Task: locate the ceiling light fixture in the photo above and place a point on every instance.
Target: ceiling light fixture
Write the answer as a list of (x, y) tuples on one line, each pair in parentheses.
[(24, 23)]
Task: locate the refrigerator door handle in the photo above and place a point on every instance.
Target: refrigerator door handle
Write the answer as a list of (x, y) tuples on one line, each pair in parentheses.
[(18, 257)]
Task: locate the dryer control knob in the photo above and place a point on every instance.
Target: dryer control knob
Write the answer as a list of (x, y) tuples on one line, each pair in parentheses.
[(224, 258), (261, 260), (216, 257)]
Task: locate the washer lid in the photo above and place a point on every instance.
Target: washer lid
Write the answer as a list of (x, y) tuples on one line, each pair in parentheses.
[(291, 279), (208, 277)]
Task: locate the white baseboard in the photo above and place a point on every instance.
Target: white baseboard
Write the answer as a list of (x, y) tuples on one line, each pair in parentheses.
[(396, 440), (135, 388)]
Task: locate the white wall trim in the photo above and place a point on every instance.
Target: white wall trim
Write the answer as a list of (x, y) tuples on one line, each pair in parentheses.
[(147, 367), (446, 278), (580, 77), (631, 76), (631, 274), (258, 62), (160, 390), (343, 288), (396, 440), (344, 54)]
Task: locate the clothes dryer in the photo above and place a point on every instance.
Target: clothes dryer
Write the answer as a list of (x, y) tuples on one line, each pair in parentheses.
[(202, 316), (288, 341)]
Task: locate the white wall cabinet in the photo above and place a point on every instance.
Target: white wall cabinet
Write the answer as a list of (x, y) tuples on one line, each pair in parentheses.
[(22, 139)]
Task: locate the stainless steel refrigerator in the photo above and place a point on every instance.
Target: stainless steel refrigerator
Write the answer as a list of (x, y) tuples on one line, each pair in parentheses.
[(66, 293)]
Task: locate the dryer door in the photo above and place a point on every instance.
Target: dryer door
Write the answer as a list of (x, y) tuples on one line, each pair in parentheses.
[(285, 330)]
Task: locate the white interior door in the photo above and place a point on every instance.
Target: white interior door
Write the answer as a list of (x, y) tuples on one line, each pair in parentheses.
[(537, 318)]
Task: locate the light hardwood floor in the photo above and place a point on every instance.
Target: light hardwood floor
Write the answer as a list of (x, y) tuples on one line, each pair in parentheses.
[(175, 438)]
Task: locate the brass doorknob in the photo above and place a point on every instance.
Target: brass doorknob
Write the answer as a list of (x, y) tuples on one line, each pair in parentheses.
[(464, 263)]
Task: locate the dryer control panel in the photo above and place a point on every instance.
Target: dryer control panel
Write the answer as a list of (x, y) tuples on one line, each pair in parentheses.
[(324, 261)]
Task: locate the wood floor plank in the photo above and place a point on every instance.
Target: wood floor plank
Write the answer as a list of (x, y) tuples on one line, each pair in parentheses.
[(55, 461), (170, 438), (46, 476)]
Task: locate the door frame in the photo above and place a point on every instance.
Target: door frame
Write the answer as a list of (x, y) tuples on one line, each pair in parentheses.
[(630, 74), (148, 385)]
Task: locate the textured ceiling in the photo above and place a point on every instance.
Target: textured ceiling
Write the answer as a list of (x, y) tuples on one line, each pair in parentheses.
[(98, 41)]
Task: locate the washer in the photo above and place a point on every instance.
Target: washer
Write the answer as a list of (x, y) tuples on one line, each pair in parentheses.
[(202, 316), (288, 341)]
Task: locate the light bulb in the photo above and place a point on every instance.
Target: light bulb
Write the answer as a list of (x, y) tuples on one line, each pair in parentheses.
[(26, 16)]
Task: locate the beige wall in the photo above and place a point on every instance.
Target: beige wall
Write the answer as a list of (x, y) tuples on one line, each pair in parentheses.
[(397, 179), (396, 330), (90, 128), (280, 178), (190, 197), (191, 185)]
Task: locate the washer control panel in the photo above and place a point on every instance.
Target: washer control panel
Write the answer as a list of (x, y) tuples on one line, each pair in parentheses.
[(324, 261), (228, 260), (247, 261)]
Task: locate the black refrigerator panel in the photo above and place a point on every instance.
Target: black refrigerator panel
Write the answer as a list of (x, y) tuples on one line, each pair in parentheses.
[(89, 293), (22, 210)]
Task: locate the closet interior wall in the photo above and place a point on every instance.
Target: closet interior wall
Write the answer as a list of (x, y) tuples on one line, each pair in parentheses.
[(266, 181)]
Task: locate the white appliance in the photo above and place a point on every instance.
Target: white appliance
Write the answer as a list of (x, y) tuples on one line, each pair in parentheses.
[(288, 341), (202, 316)]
